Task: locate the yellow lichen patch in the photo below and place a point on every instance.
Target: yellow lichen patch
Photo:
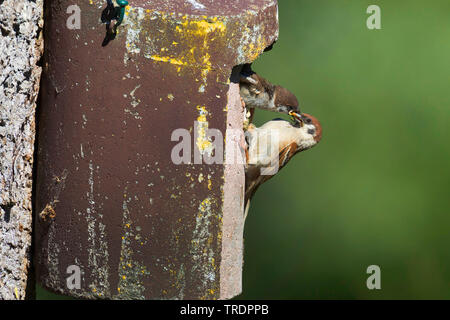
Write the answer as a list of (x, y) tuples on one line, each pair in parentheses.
[(209, 184), (205, 205), (127, 10), (201, 27), (203, 31), (203, 143), (254, 50), (48, 212), (168, 59), (187, 41), (203, 113)]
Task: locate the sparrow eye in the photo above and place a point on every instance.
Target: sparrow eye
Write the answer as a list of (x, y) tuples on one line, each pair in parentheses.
[(311, 131), (307, 120)]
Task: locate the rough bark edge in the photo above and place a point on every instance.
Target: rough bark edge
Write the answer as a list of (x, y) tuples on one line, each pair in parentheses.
[(233, 206), (21, 47)]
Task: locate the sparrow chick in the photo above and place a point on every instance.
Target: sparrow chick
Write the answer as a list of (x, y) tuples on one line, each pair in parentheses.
[(276, 142), (257, 92)]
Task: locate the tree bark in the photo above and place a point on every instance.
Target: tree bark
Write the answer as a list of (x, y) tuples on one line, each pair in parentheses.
[(20, 50)]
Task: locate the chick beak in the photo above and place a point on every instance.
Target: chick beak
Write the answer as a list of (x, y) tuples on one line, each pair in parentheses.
[(297, 117)]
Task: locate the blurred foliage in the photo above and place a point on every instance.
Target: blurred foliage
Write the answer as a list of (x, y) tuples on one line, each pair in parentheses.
[(376, 189)]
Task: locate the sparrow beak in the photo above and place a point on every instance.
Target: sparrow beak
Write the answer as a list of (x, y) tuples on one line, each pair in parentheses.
[(296, 117)]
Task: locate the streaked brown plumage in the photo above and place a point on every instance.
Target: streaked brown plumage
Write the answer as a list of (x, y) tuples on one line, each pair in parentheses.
[(293, 138), (257, 92)]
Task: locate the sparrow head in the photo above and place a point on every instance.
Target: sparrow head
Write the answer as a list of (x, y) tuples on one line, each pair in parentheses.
[(309, 130), (285, 101), (297, 117), (312, 126)]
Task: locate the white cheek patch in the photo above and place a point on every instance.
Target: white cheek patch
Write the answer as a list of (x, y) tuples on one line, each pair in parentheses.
[(310, 127), (283, 109), (306, 140)]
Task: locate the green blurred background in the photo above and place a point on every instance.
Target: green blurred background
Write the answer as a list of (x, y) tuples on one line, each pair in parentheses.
[(376, 188)]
